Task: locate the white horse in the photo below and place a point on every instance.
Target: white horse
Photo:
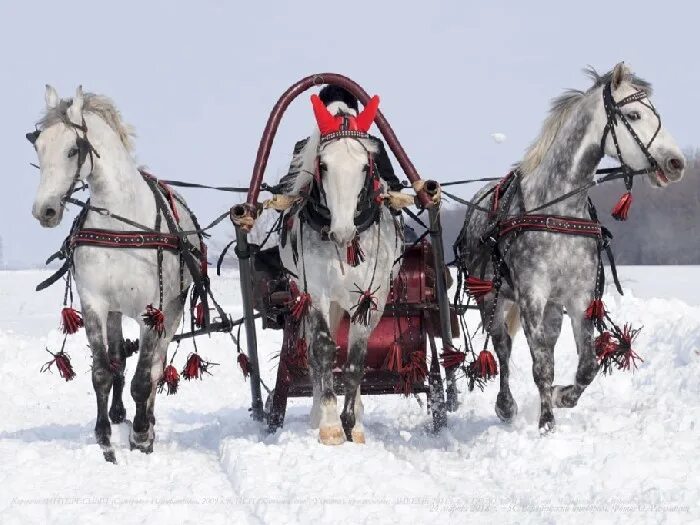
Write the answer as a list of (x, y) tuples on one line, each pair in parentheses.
[(341, 243), (85, 139)]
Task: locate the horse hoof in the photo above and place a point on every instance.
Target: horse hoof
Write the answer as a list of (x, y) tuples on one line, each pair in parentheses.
[(142, 441), (506, 409), (358, 436), (117, 414), (331, 435), (110, 456), (564, 396), (547, 424)]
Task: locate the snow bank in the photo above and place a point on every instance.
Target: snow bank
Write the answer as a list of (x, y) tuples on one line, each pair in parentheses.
[(628, 451)]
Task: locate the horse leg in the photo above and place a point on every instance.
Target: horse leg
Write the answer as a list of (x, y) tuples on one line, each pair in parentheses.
[(568, 396), (542, 324), (117, 363), (335, 316), (149, 370), (322, 350), (502, 333), (102, 377), (352, 377), (142, 433)]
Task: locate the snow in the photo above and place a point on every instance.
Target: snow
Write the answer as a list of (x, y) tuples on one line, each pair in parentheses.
[(627, 453), (498, 138)]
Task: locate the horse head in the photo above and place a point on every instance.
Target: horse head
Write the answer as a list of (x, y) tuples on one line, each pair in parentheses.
[(634, 133), (345, 165)]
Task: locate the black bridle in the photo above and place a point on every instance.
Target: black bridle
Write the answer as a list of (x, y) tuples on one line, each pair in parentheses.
[(315, 211), (613, 112), (83, 149)]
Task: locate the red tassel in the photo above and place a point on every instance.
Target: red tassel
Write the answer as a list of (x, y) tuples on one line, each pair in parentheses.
[(71, 320), (63, 365), (451, 357), (605, 346), (414, 373), (196, 367), (170, 380), (485, 365), (622, 209), (478, 288), (628, 357), (616, 349), (199, 315), (154, 319), (394, 359), (596, 310), (244, 364), (300, 303), (354, 253)]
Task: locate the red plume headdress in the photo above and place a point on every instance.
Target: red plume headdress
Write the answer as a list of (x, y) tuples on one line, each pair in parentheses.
[(346, 124)]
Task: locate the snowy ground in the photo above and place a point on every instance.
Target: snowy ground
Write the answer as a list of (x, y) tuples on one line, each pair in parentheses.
[(628, 452)]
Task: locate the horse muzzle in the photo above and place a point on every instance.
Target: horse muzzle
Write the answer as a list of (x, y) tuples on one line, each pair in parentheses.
[(48, 215), (343, 236)]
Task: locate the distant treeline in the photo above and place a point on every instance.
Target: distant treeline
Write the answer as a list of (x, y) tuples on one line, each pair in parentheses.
[(663, 225)]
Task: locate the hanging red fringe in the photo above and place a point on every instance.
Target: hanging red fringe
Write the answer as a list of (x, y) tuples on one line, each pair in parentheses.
[(451, 357), (485, 365), (622, 209), (366, 304), (616, 349), (301, 302), (63, 365), (71, 321), (604, 345), (196, 367), (354, 253), (628, 357), (154, 319), (199, 315), (596, 310), (394, 359), (413, 373), (244, 364), (170, 380), (478, 288)]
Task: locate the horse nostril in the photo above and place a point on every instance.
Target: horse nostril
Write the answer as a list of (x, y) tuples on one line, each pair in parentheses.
[(675, 164), (49, 213)]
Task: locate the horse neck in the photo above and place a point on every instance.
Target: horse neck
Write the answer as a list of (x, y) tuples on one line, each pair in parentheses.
[(570, 162), (115, 182)]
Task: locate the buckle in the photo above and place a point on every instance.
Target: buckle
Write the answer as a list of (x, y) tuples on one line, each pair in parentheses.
[(553, 222)]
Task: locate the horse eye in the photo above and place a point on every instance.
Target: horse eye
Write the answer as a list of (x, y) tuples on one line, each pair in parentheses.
[(634, 115), (72, 152), (322, 166)]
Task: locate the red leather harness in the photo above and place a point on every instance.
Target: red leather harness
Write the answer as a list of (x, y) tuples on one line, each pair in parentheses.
[(124, 239), (551, 223)]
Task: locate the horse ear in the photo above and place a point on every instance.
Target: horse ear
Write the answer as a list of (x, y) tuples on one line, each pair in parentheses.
[(51, 97), (75, 111), (619, 73)]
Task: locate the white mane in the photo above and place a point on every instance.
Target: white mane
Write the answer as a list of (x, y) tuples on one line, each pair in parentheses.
[(99, 105)]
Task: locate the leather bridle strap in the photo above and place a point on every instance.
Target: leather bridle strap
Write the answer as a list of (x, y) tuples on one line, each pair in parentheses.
[(613, 112)]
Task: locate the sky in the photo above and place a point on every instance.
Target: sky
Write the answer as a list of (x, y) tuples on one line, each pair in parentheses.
[(197, 80)]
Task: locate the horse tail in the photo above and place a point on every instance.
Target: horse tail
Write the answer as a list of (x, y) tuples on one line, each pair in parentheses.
[(513, 320)]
